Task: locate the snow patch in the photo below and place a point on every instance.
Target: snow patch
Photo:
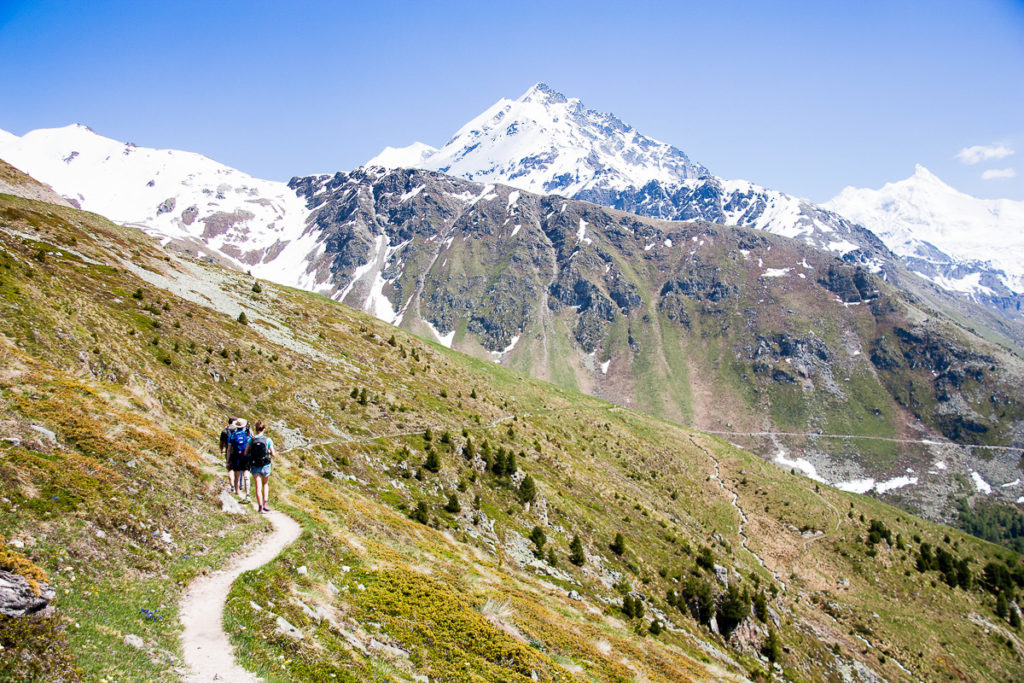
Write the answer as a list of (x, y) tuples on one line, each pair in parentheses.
[(444, 339), (498, 355), (581, 233), (856, 485), (895, 483), (781, 457), (980, 484), (775, 272)]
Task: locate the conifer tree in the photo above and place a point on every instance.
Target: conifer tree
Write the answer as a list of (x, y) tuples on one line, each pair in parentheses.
[(453, 504), (576, 555), (618, 546), (527, 490), (433, 462), (539, 539)]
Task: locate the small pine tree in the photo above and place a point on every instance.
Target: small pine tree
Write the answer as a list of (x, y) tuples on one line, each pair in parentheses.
[(256, 288), (772, 646), (472, 394), (420, 514), (453, 504), (618, 546), (576, 555), (137, 294), (363, 397), (627, 606), (428, 435), (553, 560), (1002, 608), (761, 607), (510, 463), (433, 462), (469, 450), (242, 318), (655, 627), (392, 341), (498, 467), (539, 539), (354, 393), (527, 490)]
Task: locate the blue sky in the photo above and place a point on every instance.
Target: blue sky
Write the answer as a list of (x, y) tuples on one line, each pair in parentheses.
[(805, 97)]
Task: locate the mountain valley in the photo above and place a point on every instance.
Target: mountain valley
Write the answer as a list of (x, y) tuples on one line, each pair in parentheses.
[(406, 464)]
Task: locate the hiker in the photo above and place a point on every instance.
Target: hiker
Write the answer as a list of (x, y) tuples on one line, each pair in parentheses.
[(259, 452), (224, 439), (236, 461)]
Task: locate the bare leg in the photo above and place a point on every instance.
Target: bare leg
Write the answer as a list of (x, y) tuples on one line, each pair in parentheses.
[(256, 483)]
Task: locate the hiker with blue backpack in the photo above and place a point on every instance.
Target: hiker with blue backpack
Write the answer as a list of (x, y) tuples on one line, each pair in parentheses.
[(258, 453), (237, 462)]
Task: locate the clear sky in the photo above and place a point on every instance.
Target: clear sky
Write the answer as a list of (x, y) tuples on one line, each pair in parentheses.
[(804, 97)]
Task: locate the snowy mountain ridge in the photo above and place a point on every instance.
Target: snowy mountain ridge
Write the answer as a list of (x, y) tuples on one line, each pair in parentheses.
[(957, 241), (179, 196), (546, 143)]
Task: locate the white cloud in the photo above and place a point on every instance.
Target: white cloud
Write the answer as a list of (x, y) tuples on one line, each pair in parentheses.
[(978, 153), (997, 173)]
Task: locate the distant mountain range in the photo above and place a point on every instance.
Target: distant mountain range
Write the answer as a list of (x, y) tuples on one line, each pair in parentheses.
[(959, 242), (546, 143)]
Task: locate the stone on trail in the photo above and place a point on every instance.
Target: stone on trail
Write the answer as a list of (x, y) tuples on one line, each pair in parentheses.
[(302, 571), (229, 505)]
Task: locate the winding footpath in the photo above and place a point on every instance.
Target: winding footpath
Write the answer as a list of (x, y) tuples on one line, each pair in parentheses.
[(208, 652), (743, 516)]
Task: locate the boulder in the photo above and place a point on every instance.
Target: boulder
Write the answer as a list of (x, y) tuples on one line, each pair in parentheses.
[(748, 636), (285, 628), (229, 505), (18, 598)]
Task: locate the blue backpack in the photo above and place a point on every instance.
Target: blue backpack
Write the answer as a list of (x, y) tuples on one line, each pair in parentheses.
[(238, 439)]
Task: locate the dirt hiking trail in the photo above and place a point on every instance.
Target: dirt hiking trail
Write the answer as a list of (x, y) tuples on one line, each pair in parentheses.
[(208, 652)]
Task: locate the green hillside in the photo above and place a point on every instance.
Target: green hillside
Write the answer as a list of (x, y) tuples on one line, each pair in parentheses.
[(404, 462)]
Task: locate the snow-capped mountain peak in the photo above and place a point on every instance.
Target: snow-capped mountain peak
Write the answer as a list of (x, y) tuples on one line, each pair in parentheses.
[(547, 143), (958, 241), (411, 156)]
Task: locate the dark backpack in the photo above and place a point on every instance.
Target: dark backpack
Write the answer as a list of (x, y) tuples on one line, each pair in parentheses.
[(259, 451), (238, 439)]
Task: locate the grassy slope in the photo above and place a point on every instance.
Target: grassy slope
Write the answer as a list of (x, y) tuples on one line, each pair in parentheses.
[(449, 599)]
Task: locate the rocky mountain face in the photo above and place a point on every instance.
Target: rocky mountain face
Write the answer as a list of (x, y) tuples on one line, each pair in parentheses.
[(730, 329), (956, 241)]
